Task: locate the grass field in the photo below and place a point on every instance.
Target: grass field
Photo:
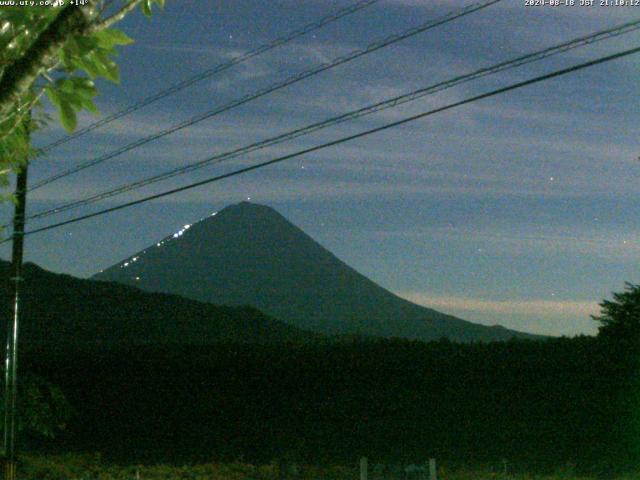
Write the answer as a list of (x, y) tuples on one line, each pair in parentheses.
[(91, 467)]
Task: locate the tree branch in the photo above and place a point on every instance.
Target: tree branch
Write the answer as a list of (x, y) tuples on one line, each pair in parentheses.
[(21, 112), (19, 76), (116, 17)]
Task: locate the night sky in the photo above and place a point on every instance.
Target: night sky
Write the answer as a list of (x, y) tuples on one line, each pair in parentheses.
[(521, 209)]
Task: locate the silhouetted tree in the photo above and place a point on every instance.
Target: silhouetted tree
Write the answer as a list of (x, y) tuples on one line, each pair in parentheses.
[(620, 318)]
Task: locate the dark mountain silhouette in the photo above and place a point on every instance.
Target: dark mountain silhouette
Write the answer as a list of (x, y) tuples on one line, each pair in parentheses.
[(249, 254), (64, 311)]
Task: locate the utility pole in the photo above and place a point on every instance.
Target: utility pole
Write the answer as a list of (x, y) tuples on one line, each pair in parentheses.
[(11, 358)]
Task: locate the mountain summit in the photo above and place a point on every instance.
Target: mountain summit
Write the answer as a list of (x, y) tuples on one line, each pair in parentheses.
[(249, 254)]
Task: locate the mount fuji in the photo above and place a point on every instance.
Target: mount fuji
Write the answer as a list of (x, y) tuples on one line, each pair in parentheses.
[(249, 254)]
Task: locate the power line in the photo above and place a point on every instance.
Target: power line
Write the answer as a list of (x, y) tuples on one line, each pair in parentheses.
[(274, 87), (389, 103), (176, 87), (412, 118)]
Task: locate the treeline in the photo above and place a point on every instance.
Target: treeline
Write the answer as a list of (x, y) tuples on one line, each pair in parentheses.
[(539, 404)]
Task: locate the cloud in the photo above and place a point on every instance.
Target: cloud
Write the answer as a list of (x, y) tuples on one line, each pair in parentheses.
[(549, 317), (528, 307), (610, 244), (374, 167)]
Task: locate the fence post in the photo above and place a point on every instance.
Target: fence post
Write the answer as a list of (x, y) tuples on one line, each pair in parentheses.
[(363, 468), (433, 471)]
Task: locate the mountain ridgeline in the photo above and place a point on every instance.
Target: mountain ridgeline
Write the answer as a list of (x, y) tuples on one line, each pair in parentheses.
[(66, 311), (249, 254)]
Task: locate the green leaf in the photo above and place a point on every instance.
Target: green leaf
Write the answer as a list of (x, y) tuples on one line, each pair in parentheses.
[(114, 71), (68, 117), (81, 87), (98, 64), (91, 64), (112, 37), (53, 95), (84, 83), (146, 7), (108, 68), (69, 101), (87, 43), (89, 105)]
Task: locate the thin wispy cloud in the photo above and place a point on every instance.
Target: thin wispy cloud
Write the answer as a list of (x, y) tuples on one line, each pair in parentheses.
[(546, 317)]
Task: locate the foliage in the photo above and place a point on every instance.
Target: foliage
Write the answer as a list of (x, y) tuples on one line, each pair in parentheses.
[(620, 317), (57, 50), (43, 408), (79, 467), (541, 405), (155, 378)]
